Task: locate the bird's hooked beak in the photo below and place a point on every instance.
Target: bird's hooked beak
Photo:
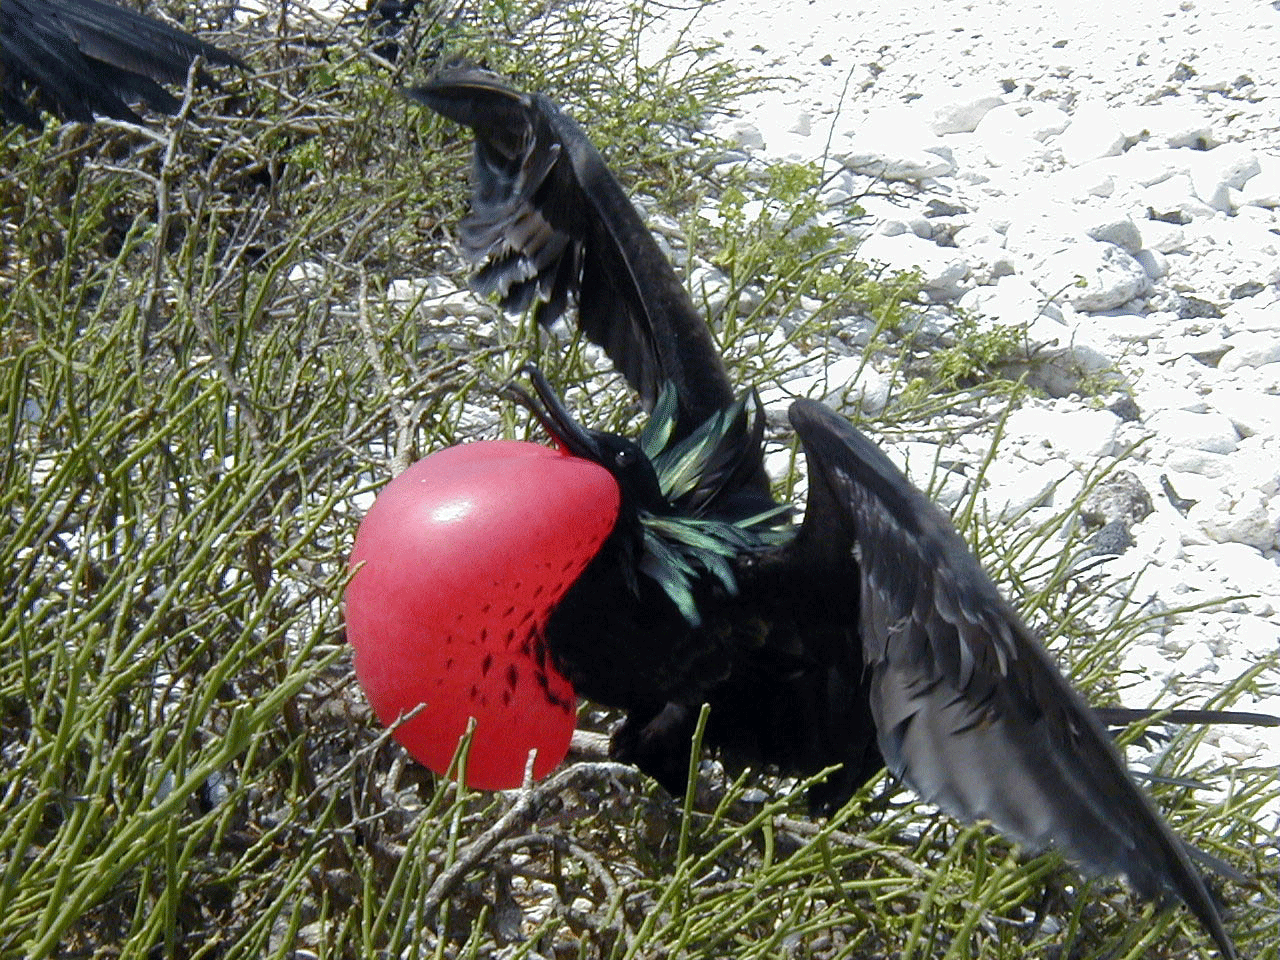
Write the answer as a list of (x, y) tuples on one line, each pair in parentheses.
[(554, 417)]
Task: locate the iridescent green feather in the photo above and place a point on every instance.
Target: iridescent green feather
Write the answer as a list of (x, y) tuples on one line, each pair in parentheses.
[(657, 432), (680, 548)]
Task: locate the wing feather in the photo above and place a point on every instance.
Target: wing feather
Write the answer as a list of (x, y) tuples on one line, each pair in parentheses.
[(969, 708), (550, 223), (87, 58)]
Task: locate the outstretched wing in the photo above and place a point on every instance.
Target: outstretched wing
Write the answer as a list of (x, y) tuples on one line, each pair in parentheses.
[(969, 709), (87, 58), (549, 221)]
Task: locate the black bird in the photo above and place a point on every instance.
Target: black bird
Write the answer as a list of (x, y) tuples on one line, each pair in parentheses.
[(868, 635), (87, 58)]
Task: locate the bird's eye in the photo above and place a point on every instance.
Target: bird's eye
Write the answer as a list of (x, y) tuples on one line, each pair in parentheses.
[(624, 458)]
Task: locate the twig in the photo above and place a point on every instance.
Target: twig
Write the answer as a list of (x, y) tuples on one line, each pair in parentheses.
[(161, 183), (523, 813), (404, 423)]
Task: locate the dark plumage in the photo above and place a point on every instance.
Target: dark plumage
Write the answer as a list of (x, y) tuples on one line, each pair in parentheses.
[(87, 58), (539, 243), (868, 635)]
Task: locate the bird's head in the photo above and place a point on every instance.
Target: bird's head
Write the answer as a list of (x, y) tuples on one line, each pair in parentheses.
[(625, 459), (666, 522)]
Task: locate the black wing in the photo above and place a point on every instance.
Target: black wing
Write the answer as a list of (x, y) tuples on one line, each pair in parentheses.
[(1123, 716), (970, 710), (87, 58), (550, 221)]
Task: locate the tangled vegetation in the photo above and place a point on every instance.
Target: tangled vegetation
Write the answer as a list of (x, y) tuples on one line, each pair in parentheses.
[(218, 336)]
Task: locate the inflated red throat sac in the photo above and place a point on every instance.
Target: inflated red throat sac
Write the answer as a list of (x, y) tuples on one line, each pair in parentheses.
[(458, 566)]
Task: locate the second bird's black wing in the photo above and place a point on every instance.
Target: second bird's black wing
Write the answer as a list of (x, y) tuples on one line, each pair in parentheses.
[(87, 58), (970, 710), (551, 223)]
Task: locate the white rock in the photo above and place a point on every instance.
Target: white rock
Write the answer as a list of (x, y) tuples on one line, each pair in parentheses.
[(1173, 124), (959, 108), (1252, 232), (776, 118), (1110, 276), (779, 395), (1006, 150), (838, 178), (1092, 134), (1079, 436), (1242, 519), (1015, 486), (1212, 432), (978, 232), (1149, 663), (892, 228), (1248, 315), (1266, 377), (851, 384), (309, 275), (894, 218), (1252, 413), (1250, 350), (1133, 327), (1067, 493), (1117, 229), (1176, 194), (1215, 194), (1146, 168), (983, 247), (1263, 190), (1237, 566), (1198, 659), (1011, 301), (1229, 166), (1048, 329), (779, 463), (1195, 462), (744, 133), (1044, 225), (949, 488), (1255, 464), (1221, 75), (1068, 365), (1033, 119), (923, 464), (1082, 182), (1205, 347), (431, 291), (942, 269), (895, 146), (1155, 263), (917, 459), (1256, 637), (710, 287), (988, 263), (1163, 237), (1154, 394)]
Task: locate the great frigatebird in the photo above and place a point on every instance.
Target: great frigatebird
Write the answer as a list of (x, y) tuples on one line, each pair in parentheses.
[(662, 574), (87, 58)]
